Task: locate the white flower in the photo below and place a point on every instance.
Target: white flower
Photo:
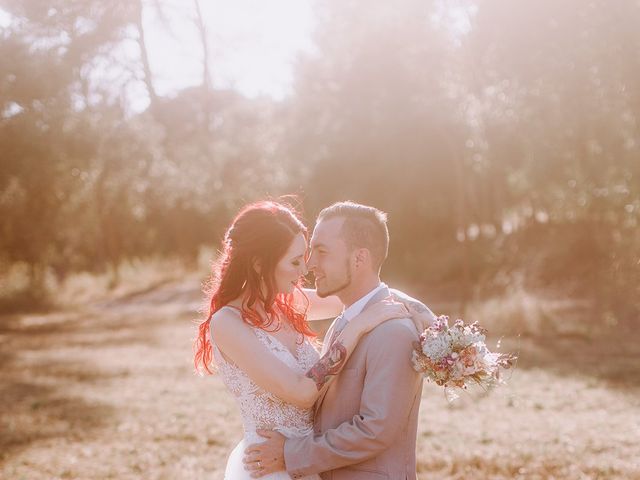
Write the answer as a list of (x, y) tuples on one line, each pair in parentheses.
[(436, 347), (457, 337)]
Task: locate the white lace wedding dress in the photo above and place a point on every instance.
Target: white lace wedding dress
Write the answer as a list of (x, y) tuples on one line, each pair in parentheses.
[(261, 409)]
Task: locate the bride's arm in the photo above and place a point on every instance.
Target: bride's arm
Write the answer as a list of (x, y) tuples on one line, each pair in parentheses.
[(239, 344), (318, 308)]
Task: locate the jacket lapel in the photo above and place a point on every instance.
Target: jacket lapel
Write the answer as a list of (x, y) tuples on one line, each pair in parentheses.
[(382, 294)]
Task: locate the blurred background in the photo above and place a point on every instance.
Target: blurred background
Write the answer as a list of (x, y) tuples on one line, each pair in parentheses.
[(502, 137)]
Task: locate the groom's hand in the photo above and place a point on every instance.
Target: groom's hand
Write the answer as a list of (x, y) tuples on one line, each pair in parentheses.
[(267, 457)]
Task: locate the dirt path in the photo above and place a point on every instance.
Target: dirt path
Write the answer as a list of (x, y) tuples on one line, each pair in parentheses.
[(108, 392)]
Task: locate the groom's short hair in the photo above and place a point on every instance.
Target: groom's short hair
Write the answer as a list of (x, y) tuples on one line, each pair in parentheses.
[(363, 227)]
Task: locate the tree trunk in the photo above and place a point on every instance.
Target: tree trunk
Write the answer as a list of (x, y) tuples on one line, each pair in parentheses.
[(462, 222), (202, 30), (148, 76), (36, 278)]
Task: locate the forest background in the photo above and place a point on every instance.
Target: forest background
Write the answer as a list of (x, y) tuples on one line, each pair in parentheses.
[(502, 138)]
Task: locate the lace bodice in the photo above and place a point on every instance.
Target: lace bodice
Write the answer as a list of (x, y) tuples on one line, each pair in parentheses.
[(259, 408)]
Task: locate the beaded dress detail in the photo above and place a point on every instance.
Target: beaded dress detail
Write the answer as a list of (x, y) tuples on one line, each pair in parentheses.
[(261, 409)]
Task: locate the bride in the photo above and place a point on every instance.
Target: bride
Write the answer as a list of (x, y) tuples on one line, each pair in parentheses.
[(256, 331)]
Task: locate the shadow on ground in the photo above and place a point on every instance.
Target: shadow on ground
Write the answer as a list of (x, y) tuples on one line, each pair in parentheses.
[(33, 412)]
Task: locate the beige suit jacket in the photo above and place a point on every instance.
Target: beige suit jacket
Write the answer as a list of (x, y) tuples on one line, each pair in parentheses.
[(366, 423)]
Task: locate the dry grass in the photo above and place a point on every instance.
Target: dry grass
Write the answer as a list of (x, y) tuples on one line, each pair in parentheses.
[(521, 312), (108, 392), (134, 277), (131, 278)]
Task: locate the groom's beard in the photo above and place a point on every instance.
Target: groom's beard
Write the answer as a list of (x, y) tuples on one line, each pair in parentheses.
[(344, 285)]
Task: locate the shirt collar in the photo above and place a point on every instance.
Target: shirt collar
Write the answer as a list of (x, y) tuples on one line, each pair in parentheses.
[(357, 307)]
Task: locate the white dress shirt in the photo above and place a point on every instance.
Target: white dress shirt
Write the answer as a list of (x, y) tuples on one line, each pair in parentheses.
[(356, 307)]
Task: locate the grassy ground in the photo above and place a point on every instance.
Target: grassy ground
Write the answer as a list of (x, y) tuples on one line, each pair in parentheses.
[(108, 392)]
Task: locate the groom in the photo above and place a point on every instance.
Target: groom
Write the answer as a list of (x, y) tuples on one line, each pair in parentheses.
[(366, 422)]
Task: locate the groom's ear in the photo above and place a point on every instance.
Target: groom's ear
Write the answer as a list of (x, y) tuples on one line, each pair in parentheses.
[(362, 257)]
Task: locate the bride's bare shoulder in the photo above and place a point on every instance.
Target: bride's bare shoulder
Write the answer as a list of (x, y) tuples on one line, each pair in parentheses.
[(226, 320)]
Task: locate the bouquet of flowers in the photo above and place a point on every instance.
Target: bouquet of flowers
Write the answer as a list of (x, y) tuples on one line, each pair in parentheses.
[(457, 356)]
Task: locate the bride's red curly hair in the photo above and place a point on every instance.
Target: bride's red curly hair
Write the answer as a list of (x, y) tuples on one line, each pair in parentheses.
[(262, 232)]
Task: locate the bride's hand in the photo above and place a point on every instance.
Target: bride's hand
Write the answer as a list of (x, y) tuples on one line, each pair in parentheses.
[(422, 320), (378, 313), (421, 316)]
